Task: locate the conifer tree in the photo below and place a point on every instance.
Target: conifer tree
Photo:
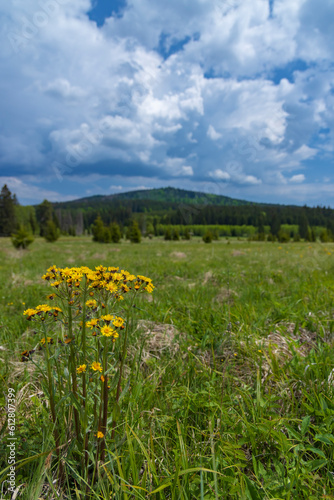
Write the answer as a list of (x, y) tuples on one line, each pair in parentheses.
[(115, 232), (134, 233), (7, 212)]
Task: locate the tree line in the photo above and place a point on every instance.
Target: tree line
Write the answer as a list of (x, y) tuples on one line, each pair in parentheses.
[(108, 219)]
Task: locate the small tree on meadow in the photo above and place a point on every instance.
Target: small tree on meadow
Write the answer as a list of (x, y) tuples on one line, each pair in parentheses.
[(115, 232), (168, 234), (51, 233), (175, 235), (22, 238), (98, 230), (207, 237), (134, 233)]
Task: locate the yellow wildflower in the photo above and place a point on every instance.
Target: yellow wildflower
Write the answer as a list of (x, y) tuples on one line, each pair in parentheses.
[(81, 368), (107, 317), (44, 308), (92, 323), (48, 339), (111, 287), (107, 331), (100, 435), (118, 322), (30, 312), (96, 367), (91, 303)]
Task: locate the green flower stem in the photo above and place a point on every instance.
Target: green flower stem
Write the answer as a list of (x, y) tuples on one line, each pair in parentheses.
[(52, 400), (105, 395), (84, 387), (73, 372), (118, 391)]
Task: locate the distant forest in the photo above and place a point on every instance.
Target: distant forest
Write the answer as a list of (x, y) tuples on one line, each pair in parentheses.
[(156, 209)]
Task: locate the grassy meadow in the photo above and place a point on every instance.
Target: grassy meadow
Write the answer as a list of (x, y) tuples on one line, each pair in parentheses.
[(227, 389)]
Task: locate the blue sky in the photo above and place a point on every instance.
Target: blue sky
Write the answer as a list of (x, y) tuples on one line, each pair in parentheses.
[(234, 97)]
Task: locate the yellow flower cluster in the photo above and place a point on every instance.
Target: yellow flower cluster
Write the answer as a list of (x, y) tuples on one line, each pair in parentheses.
[(44, 308), (107, 278), (106, 329)]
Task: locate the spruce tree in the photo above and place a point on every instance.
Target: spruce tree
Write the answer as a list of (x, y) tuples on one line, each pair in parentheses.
[(44, 213), (134, 233), (115, 232), (7, 212)]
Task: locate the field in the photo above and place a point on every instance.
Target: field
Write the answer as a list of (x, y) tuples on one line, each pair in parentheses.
[(227, 390)]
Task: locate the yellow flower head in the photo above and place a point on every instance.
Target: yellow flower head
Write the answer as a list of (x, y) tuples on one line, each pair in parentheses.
[(107, 331), (91, 303), (48, 339), (96, 367), (111, 287), (107, 317), (81, 368), (92, 323), (100, 435), (143, 278), (118, 322), (30, 312), (44, 308)]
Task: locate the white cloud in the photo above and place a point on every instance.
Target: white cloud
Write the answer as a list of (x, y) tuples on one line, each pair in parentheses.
[(213, 134), (297, 178), (109, 99), (220, 175)]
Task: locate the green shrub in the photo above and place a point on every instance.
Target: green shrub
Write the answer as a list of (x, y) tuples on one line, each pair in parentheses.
[(283, 236), (22, 238), (207, 237)]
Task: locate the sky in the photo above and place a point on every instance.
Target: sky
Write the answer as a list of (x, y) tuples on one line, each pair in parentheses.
[(232, 97)]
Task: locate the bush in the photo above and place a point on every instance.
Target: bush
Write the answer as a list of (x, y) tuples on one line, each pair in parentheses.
[(271, 237), (51, 233), (283, 236), (22, 238), (186, 234), (207, 237)]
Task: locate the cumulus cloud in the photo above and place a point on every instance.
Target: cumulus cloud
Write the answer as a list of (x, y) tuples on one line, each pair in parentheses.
[(213, 91), (297, 178)]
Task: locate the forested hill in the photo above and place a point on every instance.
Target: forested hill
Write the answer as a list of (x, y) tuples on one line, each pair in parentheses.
[(166, 197), (178, 206)]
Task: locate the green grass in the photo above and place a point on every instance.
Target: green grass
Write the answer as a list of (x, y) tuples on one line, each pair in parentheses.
[(221, 412)]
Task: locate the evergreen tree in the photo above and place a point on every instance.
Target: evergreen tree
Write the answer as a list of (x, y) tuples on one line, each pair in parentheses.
[(275, 224), (134, 233), (303, 226), (207, 237), (175, 234), (98, 230), (51, 232), (7, 212), (44, 213), (168, 234), (22, 238), (115, 232)]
